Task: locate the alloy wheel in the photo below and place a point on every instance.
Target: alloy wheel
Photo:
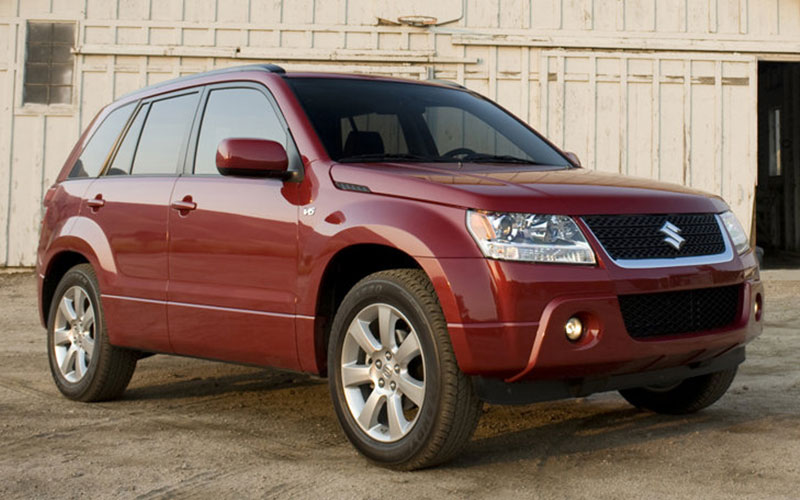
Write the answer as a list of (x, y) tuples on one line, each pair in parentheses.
[(74, 334), (383, 372)]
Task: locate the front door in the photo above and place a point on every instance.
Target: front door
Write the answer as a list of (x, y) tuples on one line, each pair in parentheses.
[(233, 244)]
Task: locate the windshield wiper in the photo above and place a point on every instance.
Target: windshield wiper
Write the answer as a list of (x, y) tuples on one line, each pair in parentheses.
[(385, 157), (488, 158)]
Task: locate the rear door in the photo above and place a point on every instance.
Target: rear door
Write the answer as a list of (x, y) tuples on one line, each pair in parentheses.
[(130, 203), (233, 255)]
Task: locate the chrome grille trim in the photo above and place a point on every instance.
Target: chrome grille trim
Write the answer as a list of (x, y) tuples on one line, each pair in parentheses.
[(698, 260)]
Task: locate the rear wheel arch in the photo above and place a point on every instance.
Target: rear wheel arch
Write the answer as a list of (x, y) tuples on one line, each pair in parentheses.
[(57, 267), (346, 268)]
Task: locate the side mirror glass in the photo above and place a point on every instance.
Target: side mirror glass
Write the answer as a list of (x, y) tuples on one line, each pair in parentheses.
[(573, 158), (252, 158)]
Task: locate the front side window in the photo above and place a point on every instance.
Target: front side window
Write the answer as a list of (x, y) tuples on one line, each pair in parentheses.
[(96, 150), (375, 120), (165, 132), (49, 63), (234, 113)]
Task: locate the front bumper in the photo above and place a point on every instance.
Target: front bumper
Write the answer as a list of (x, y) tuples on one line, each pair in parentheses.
[(497, 391), (507, 320)]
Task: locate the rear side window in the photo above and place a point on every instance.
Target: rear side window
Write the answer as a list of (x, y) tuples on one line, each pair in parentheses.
[(121, 164), (237, 112), (96, 150), (165, 131)]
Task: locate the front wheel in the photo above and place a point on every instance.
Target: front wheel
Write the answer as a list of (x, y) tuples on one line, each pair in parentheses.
[(396, 388), (688, 396)]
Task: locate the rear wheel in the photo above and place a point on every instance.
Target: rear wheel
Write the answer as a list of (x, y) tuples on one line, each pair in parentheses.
[(85, 367), (397, 390), (689, 396)]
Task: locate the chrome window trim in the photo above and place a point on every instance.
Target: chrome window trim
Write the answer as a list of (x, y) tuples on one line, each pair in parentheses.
[(697, 260)]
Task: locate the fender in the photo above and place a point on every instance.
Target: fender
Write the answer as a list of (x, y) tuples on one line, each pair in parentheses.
[(84, 236), (423, 231)]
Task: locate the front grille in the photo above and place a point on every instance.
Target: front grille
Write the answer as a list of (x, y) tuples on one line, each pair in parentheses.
[(639, 236), (687, 311)]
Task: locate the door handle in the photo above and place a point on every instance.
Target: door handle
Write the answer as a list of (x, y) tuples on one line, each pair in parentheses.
[(96, 202), (184, 205)]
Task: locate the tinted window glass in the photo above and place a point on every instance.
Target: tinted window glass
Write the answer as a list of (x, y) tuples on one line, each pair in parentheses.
[(454, 128), (244, 113), (101, 142), (417, 122), (165, 131), (121, 164), (386, 126)]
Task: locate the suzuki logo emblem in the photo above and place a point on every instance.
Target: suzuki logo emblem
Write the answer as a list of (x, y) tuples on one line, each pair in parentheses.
[(673, 232)]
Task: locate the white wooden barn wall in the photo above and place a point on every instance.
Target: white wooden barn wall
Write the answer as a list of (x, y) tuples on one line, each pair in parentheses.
[(656, 88)]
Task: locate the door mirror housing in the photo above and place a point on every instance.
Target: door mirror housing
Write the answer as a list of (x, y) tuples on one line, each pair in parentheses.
[(573, 158), (252, 158)]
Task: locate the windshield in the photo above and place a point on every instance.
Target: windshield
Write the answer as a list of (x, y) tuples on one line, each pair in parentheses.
[(368, 120)]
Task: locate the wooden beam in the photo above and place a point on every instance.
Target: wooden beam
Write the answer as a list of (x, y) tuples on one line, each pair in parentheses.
[(623, 41)]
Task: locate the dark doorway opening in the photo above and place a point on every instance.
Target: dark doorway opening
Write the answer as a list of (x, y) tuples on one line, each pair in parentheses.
[(778, 192)]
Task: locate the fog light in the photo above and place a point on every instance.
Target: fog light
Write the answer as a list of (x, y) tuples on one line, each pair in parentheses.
[(573, 329)]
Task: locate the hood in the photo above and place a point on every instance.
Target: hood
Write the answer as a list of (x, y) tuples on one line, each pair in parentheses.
[(548, 190)]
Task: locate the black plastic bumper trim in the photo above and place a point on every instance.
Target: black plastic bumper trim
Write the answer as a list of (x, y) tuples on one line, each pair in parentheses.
[(497, 391)]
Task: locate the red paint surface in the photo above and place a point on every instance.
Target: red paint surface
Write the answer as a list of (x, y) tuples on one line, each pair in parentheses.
[(233, 270), (251, 156)]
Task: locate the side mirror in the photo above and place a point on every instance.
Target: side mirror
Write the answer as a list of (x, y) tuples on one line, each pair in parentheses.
[(573, 158), (252, 158)]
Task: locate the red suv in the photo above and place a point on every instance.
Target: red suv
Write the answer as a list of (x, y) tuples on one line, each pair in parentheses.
[(413, 241)]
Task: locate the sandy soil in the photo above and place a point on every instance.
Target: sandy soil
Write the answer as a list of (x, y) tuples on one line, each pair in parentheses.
[(189, 428)]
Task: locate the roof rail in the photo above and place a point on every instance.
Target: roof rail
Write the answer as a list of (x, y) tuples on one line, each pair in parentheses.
[(270, 68), (449, 83)]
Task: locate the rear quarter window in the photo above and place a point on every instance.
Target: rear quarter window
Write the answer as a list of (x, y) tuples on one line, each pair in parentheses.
[(94, 154)]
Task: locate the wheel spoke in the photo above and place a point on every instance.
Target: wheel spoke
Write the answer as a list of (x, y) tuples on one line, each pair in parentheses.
[(88, 318), (394, 413), (87, 343), (372, 408), (409, 350), (412, 388), (77, 302), (67, 310), (69, 360), (60, 336), (80, 362), (386, 323), (359, 330), (355, 375)]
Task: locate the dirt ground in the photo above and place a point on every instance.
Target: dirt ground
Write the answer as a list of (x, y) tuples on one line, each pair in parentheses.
[(188, 428)]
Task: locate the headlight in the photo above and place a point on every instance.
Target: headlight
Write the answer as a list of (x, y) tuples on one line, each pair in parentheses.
[(529, 237), (738, 236)]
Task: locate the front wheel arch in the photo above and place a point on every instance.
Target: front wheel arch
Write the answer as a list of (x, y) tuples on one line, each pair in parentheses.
[(346, 268)]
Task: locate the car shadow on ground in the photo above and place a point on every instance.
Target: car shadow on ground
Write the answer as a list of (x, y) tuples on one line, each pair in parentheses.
[(573, 428), (599, 424), (259, 381)]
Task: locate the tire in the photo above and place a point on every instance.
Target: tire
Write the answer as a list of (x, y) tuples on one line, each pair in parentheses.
[(84, 365), (688, 396), (382, 410)]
